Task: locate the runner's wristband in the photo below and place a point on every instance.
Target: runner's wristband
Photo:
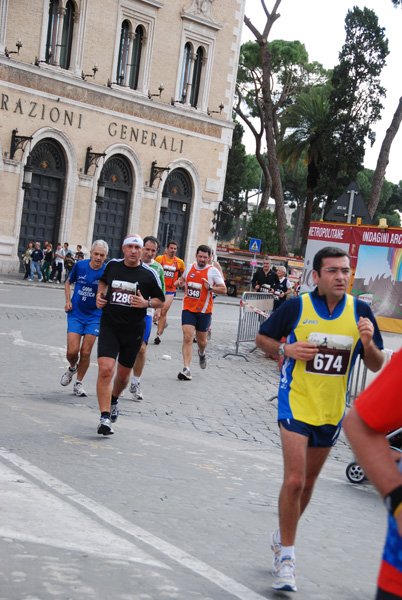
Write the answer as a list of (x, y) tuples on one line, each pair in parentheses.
[(393, 501)]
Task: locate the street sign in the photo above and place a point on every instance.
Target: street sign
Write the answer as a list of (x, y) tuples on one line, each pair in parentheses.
[(255, 245)]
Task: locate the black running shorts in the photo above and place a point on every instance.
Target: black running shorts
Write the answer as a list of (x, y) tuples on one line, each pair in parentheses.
[(123, 341)]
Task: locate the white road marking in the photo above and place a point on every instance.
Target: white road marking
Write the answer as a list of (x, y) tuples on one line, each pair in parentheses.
[(31, 514), (172, 552), (19, 341), (31, 308)]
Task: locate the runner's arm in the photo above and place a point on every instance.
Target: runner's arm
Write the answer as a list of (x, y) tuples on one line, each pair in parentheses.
[(67, 291), (101, 294), (373, 357), (373, 454)]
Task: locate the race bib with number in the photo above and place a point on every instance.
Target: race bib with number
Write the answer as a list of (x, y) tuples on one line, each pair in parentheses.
[(333, 354), (122, 291), (194, 290), (169, 271)]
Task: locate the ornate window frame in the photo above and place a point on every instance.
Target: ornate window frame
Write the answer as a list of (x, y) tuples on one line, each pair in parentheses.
[(138, 13), (77, 44), (199, 30)]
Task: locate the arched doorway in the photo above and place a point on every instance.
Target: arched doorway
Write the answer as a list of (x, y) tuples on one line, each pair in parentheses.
[(173, 221), (111, 215), (41, 212)]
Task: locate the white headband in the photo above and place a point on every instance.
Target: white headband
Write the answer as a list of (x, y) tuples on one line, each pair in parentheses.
[(133, 239)]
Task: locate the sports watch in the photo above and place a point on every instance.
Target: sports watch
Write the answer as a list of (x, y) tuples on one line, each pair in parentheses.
[(281, 350)]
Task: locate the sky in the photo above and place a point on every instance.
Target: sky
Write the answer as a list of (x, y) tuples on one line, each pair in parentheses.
[(320, 26)]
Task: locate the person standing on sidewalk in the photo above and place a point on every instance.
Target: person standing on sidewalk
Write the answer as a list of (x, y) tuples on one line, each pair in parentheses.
[(376, 412), (264, 279), (201, 281), (324, 330), (36, 259), (58, 263), (83, 316), (173, 268), (126, 289), (283, 289), (151, 245), (47, 261)]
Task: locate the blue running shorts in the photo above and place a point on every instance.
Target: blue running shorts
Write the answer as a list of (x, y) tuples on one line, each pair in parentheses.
[(83, 326), (201, 321), (319, 436)]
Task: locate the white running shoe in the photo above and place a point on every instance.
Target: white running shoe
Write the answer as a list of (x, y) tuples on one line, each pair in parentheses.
[(79, 390), (276, 549), (114, 411), (135, 390), (185, 374), (105, 427), (68, 375), (285, 576), (203, 360)]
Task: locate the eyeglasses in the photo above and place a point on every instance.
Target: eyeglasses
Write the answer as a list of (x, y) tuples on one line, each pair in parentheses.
[(334, 271)]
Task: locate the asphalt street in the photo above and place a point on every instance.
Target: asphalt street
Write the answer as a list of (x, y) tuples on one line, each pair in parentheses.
[(181, 501)]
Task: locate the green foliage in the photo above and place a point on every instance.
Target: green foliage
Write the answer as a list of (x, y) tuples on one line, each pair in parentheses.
[(233, 205), (262, 225), (355, 99), (290, 70)]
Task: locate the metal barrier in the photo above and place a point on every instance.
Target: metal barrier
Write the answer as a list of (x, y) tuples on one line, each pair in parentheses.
[(254, 309), (358, 377)]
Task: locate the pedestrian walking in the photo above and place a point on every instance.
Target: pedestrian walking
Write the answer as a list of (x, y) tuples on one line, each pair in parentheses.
[(324, 331), (83, 316), (126, 289)]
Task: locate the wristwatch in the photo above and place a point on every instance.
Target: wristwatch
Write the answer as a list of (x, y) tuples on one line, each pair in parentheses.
[(281, 350), (150, 303)]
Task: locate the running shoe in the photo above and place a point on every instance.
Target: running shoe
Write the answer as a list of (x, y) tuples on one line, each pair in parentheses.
[(135, 390), (157, 340), (285, 576), (79, 390), (203, 360), (185, 374), (68, 375), (114, 411), (104, 427), (276, 549)]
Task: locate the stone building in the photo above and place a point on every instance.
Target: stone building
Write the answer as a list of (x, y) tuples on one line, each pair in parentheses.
[(115, 117)]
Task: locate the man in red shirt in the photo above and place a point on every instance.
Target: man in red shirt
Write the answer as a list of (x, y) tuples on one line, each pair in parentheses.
[(376, 412), (173, 268)]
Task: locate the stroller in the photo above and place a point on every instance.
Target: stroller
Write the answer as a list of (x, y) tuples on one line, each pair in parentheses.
[(355, 473)]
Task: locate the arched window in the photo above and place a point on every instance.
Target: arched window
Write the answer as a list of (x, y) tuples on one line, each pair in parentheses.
[(60, 33), (67, 37), (123, 52), (136, 57), (52, 30), (195, 88), (185, 74)]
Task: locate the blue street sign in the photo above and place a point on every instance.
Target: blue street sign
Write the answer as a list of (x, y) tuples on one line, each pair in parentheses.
[(255, 245)]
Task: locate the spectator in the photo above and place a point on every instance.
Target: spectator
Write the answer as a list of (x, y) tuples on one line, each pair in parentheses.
[(48, 259), (26, 259), (69, 262), (59, 261), (36, 259), (79, 255)]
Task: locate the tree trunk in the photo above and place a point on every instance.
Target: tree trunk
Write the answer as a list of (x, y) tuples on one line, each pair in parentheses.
[(307, 217), (383, 159), (273, 162), (298, 225)]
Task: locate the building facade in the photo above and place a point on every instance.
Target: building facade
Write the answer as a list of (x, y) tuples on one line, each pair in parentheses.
[(115, 117)]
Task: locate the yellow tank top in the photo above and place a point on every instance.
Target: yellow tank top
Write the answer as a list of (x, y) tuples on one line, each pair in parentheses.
[(315, 392)]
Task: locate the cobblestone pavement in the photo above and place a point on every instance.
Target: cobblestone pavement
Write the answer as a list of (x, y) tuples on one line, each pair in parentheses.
[(207, 468)]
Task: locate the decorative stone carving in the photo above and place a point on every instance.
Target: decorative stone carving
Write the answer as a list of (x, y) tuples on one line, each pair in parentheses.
[(201, 8)]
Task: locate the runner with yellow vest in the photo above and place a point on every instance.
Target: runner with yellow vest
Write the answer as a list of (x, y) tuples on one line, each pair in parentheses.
[(173, 268), (201, 280), (325, 330)]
